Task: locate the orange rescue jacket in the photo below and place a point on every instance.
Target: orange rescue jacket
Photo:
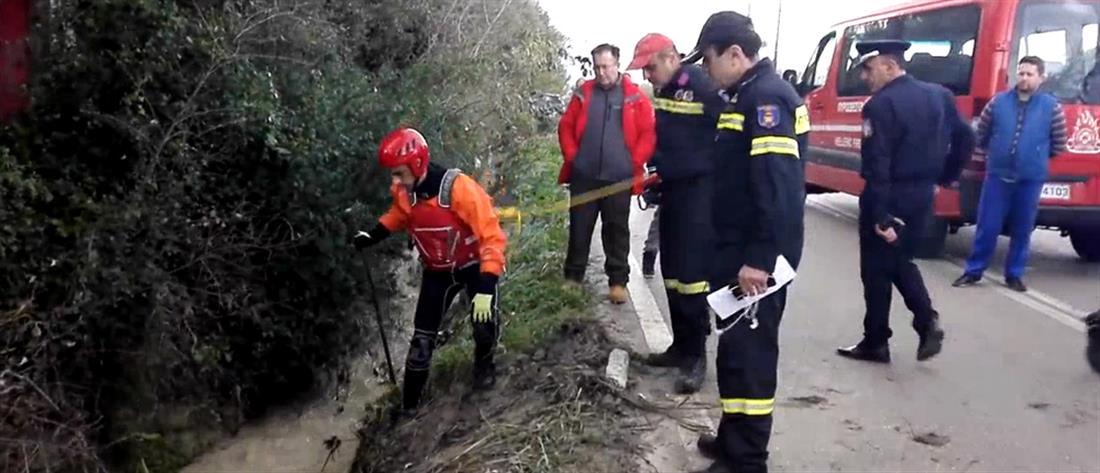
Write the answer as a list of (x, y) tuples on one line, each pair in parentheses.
[(456, 232)]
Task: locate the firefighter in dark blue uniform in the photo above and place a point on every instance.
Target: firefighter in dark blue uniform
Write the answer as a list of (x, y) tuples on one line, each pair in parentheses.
[(913, 138), (758, 202), (687, 106)]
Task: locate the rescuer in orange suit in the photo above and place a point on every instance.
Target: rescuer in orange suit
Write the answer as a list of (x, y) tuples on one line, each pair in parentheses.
[(451, 220)]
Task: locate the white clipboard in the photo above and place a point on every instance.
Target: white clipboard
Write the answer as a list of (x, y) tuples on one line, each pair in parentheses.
[(725, 304)]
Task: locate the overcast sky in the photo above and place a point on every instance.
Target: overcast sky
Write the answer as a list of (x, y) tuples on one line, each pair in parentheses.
[(623, 22)]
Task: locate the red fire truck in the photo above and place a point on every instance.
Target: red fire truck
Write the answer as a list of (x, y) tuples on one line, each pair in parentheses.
[(971, 47)]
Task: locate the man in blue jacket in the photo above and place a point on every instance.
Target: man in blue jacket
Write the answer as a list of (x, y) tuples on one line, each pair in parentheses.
[(1020, 130)]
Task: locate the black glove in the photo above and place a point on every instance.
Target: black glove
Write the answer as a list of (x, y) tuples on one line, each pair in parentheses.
[(651, 196), (363, 240)]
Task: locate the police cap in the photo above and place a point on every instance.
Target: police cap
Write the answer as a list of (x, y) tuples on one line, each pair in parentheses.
[(872, 48), (725, 27)]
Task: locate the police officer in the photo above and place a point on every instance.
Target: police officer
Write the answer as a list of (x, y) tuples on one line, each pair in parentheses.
[(687, 106), (913, 138), (758, 202)]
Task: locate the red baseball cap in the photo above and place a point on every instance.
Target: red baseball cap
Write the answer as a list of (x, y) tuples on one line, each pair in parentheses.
[(650, 45)]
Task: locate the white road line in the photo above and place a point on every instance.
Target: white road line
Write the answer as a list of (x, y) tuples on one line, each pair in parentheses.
[(1040, 302), (657, 335)]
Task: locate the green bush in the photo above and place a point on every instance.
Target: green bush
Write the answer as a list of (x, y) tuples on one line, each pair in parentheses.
[(175, 205)]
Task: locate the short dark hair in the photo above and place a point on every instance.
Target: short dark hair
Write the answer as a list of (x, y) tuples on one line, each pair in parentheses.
[(606, 48), (748, 40), (1035, 61), (897, 58)]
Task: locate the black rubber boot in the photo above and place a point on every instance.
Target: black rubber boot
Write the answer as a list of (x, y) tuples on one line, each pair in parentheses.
[(931, 342), (485, 376), (692, 377)]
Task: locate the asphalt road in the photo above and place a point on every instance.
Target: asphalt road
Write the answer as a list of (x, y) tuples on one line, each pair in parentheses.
[(1010, 392)]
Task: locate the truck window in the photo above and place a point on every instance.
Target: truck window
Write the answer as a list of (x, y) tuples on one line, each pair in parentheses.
[(817, 71), (940, 51), (1064, 36)]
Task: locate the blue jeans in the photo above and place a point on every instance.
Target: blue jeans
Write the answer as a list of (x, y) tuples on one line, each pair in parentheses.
[(1018, 202)]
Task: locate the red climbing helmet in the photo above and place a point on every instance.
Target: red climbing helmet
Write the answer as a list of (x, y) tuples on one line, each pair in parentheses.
[(404, 146)]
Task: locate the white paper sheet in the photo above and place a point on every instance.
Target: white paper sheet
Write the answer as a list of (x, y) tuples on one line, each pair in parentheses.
[(725, 304)]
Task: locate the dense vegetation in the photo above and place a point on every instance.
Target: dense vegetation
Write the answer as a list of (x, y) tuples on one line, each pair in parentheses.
[(175, 206)]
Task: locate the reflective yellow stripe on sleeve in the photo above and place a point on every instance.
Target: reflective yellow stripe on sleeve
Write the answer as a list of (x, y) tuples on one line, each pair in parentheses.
[(801, 120), (751, 407), (687, 289), (678, 106), (731, 121), (774, 144)]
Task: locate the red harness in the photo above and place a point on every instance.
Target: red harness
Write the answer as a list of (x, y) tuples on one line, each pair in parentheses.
[(444, 241)]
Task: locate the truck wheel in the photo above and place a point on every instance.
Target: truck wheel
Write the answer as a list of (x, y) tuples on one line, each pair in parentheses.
[(1086, 242), (931, 245)]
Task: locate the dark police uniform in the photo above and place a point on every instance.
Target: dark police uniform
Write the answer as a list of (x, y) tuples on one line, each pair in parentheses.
[(758, 205), (911, 131), (687, 110)]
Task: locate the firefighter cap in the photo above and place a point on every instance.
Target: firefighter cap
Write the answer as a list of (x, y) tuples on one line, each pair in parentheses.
[(650, 45), (878, 47), (724, 27)]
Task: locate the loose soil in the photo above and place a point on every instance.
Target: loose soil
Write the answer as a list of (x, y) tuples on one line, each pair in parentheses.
[(551, 412)]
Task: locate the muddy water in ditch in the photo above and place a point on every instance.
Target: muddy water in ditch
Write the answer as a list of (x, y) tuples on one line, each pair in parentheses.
[(293, 439)]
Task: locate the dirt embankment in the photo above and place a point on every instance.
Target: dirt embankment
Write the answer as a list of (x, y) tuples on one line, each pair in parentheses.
[(550, 412)]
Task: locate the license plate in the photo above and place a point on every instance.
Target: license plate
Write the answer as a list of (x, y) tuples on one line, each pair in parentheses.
[(1055, 192)]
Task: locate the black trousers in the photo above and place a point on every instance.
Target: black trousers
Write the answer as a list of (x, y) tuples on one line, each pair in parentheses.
[(686, 237), (747, 362), (438, 290), (884, 266), (614, 210)]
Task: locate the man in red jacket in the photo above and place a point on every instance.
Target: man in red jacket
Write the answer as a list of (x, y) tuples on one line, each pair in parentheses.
[(607, 136)]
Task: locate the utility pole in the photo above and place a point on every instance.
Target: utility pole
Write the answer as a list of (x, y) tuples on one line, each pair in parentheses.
[(778, 24)]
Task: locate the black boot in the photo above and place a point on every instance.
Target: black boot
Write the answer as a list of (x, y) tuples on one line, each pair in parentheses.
[(718, 466), (692, 376), (863, 351), (1092, 351), (649, 260), (931, 341), (708, 446), (412, 389), (485, 376), (668, 359)]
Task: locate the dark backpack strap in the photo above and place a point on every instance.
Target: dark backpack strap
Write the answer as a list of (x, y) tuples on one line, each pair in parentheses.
[(445, 187)]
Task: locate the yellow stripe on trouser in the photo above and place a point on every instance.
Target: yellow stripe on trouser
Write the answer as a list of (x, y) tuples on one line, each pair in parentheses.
[(751, 407), (678, 106), (687, 289), (774, 144), (731, 121)]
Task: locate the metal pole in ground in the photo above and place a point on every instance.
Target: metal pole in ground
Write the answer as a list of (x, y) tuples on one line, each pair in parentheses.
[(378, 316)]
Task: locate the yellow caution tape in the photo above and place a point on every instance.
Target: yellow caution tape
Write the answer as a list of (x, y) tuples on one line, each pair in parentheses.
[(514, 213)]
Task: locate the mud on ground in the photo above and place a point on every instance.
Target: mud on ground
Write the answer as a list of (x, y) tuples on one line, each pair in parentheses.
[(550, 412)]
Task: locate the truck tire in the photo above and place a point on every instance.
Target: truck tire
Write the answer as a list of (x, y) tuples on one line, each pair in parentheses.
[(932, 243), (1086, 242)]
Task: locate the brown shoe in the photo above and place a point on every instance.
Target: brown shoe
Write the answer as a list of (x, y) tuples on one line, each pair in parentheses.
[(617, 294)]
